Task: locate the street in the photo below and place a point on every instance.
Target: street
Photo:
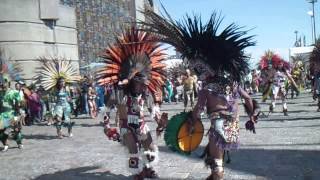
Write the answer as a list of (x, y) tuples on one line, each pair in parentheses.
[(284, 148)]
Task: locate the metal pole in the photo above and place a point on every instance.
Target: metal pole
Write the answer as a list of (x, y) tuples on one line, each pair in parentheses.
[(312, 34), (314, 23)]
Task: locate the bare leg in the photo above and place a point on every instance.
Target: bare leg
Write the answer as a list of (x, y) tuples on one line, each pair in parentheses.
[(185, 100), (4, 139), (133, 162), (91, 108), (275, 91), (116, 120), (150, 157), (215, 160), (192, 99), (284, 103), (59, 127)]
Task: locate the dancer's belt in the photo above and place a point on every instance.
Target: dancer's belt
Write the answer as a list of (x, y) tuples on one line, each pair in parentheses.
[(281, 81), (134, 121), (227, 117)]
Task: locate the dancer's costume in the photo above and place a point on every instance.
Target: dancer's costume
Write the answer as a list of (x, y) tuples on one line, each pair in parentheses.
[(9, 104), (219, 61), (255, 82), (297, 75), (169, 89), (265, 84), (134, 64), (51, 73), (277, 73), (315, 72)]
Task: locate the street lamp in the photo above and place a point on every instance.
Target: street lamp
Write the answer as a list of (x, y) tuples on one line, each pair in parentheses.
[(311, 13), (296, 43)]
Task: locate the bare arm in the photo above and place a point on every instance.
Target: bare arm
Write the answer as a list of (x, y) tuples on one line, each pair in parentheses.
[(202, 101), (290, 78), (247, 99)]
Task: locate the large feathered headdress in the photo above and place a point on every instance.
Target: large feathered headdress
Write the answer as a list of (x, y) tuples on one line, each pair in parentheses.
[(315, 59), (135, 55), (9, 70), (271, 59), (202, 45), (54, 69)]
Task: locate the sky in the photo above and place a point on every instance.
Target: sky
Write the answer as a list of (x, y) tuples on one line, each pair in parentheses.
[(273, 22)]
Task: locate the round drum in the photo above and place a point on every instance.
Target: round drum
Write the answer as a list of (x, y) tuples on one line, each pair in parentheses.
[(190, 141), (178, 138)]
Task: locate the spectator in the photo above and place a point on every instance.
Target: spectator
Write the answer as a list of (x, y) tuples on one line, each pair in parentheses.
[(84, 87), (188, 88), (75, 100), (43, 110), (92, 101), (34, 106), (100, 96), (169, 90)]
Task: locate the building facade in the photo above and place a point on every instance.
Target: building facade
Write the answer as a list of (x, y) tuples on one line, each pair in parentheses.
[(30, 29), (78, 30), (98, 21)]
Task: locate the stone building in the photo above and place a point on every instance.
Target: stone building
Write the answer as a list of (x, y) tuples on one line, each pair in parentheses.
[(75, 29), (98, 21), (30, 29)]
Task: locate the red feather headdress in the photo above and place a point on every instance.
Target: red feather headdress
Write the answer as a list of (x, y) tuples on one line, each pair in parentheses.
[(135, 55), (271, 58)]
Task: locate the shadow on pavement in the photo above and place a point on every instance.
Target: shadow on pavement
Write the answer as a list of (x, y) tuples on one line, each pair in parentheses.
[(81, 117), (277, 164), (40, 136), (89, 125), (194, 155), (286, 127), (82, 173), (301, 111), (291, 119), (176, 110)]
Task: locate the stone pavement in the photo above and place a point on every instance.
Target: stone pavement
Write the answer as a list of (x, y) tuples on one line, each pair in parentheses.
[(284, 148)]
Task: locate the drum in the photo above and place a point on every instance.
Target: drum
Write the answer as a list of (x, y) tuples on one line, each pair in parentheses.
[(178, 138)]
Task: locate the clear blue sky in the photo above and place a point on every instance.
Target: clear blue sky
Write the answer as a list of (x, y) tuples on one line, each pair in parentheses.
[(274, 21)]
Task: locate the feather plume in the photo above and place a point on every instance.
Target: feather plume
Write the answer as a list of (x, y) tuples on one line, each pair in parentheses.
[(55, 68), (315, 59), (9, 70), (197, 41), (135, 54), (270, 57)]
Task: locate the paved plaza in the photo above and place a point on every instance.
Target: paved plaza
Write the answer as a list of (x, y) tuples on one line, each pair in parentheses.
[(284, 148)]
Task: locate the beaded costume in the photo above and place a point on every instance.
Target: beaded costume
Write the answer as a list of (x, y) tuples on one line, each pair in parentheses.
[(219, 61), (54, 75), (134, 64)]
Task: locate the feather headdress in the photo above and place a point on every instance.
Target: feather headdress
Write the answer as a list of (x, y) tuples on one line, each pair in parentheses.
[(54, 69), (315, 59), (134, 55), (271, 59), (201, 44), (9, 70)]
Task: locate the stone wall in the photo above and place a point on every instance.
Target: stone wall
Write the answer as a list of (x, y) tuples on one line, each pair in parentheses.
[(98, 21), (25, 37)]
